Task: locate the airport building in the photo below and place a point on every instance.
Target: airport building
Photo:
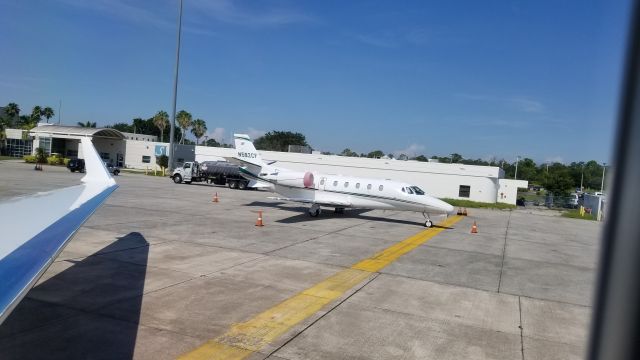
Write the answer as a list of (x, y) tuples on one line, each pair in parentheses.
[(137, 151)]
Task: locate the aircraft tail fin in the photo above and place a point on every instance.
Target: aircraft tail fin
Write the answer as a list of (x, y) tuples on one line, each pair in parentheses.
[(247, 153)]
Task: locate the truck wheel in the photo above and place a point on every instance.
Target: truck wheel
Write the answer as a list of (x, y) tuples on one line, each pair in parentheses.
[(242, 185), (73, 170), (116, 172), (177, 178), (233, 184)]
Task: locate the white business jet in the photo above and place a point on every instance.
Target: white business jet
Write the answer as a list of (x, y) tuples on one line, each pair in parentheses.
[(336, 191)]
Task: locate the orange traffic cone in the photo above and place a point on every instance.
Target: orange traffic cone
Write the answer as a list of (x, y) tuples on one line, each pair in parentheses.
[(474, 228), (215, 198), (259, 221)]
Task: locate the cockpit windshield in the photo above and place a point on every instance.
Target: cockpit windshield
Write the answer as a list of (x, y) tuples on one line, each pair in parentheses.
[(417, 190)]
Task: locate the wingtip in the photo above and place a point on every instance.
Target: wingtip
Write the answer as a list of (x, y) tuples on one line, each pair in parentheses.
[(96, 172)]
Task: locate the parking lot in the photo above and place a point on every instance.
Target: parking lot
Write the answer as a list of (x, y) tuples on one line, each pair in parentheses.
[(161, 271)]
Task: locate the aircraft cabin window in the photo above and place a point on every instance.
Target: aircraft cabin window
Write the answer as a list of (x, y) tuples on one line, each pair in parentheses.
[(322, 182), (335, 183), (403, 190), (369, 187), (346, 184), (357, 185), (380, 187), (409, 190), (417, 190)]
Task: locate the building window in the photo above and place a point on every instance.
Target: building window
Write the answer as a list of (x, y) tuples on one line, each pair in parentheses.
[(19, 147), (72, 153), (380, 188), (146, 159), (357, 185), (335, 183), (346, 184), (105, 156), (465, 191), (369, 187)]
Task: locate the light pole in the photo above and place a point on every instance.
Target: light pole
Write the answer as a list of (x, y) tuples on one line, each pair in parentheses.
[(175, 95), (604, 167), (515, 177)]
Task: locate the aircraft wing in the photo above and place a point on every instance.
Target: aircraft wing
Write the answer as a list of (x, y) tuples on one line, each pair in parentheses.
[(36, 228), (330, 203)]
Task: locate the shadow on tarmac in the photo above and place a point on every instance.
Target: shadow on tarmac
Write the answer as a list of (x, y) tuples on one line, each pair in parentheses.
[(324, 215), (57, 319)]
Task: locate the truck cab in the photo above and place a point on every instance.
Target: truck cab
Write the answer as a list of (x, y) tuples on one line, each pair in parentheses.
[(188, 172)]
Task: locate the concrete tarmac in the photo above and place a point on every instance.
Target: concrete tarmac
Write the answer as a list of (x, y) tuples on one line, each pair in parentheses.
[(160, 270)]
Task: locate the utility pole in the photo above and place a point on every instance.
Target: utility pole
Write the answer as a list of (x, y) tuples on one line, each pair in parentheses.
[(581, 179), (175, 95), (604, 167), (515, 177), (59, 111)]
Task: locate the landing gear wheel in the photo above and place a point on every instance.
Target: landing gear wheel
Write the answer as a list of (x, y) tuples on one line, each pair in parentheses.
[(428, 224), (314, 210), (177, 179)]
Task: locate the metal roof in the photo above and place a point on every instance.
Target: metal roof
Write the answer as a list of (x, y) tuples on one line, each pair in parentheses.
[(77, 131)]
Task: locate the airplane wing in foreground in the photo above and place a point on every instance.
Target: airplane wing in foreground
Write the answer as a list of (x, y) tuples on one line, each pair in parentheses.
[(36, 228)]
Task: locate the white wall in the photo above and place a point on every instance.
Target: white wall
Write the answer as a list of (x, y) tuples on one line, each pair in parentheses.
[(135, 150), (508, 190), (437, 179)]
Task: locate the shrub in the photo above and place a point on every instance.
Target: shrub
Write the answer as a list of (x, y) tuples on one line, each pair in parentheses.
[(66, 161), (55, 160), (31, 159)]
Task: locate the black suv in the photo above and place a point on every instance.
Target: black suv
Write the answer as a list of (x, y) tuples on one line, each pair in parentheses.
[(76, 165)]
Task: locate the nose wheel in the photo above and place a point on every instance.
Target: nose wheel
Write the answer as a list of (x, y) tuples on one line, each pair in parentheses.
[(428, 223)]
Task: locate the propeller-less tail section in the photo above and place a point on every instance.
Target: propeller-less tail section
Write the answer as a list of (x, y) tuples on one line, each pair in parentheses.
[(248, 156), (36, 228)]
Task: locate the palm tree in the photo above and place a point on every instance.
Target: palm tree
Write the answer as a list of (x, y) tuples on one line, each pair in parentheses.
[(184, 121), (36, 114), (161, 121), (48, 113), (12, 110), (87, 124), (198, 129)]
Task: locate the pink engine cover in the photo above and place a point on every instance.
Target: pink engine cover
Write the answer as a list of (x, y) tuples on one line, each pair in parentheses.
[(308, 180)]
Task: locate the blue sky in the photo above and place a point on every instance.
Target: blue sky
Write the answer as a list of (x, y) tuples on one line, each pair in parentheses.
[(484, 79)]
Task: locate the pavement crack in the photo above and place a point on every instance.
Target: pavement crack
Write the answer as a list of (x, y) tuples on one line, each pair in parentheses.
[(521, 328), (504, 250)]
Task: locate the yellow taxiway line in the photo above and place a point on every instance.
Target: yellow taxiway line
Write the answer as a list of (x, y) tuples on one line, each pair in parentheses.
[(245, 338)]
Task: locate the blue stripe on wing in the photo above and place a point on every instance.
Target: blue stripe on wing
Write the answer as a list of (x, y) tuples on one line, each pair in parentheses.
[(22, 268)]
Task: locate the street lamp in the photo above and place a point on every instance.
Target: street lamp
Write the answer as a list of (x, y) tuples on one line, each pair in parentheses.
[(515, 177), (175, 95), (604, 167)]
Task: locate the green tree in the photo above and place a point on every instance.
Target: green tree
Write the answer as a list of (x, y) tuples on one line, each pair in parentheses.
[(185, 121), (456, 158), (279, 140), (36, 114), (421, 158), (41, 158), (163, 162), (348, 152), (198, 129), (48, 113), (87, 124), (376, 154), (124, 127), (161, 121), (13, 111), (558, 180), (212, 142)]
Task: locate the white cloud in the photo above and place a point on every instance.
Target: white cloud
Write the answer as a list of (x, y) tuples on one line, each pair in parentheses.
[(521, 103), (411, 151), (230, 12), (217, 134), (554, 159), (255, 133)]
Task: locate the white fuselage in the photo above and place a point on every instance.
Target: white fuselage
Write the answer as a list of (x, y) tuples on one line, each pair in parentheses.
[(352, 192)]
